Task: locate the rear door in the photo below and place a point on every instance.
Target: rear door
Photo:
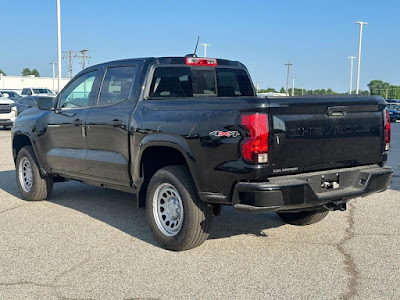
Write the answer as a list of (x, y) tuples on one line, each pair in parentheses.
[(107, 126), (317, 133)]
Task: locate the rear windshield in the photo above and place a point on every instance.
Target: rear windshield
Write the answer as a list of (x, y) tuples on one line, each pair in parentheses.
[(184, 82)]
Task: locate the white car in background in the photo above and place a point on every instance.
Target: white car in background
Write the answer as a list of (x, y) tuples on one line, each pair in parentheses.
[(8, 111), (37, 91)]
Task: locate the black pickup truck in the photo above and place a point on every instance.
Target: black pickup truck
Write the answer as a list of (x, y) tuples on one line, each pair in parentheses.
[(188, 135)]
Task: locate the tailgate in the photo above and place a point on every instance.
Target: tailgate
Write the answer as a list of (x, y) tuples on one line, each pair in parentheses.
[(319, 133)]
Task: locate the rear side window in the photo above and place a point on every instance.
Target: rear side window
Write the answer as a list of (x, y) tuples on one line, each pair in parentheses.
[(117, 85), (185, 82)]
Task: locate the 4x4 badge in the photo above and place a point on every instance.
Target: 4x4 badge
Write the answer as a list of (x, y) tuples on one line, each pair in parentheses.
[(225, 133)]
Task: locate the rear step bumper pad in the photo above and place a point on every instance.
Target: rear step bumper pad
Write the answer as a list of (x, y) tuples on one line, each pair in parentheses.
[(307, 190)]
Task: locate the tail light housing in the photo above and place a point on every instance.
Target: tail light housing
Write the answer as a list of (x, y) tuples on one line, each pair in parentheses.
[(255, 146), (197, 61), (387, 130)]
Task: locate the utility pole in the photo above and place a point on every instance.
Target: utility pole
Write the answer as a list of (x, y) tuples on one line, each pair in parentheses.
[(351, 73), (302, 89), (293, 86), (205, 48), (53, 75), (59, 44), (287, 77), (70, 55), (83, 57), (359, 54)]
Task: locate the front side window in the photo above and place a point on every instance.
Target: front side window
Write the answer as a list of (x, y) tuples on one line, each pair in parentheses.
[(31, 102), (116, 85), (79, 92), (23, 101)]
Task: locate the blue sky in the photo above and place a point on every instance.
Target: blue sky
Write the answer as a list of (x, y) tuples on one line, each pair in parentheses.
[(316, 36)]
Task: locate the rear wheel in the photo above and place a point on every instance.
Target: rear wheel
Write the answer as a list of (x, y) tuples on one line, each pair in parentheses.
[(30, 184), (177, 217), (303, 218)]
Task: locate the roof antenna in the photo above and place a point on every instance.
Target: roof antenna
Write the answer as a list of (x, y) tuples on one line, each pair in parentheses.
[(195, 49)]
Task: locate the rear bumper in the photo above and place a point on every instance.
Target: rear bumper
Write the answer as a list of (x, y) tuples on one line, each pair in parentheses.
[(297, 192)]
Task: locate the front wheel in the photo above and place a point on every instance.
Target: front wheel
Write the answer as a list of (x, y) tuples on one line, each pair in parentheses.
[(303, 218), (30, 184), (177, 217)]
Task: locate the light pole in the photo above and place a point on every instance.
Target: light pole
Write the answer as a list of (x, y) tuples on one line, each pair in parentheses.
[(205, 49), (293, 86), (351, 73), (287, 77), (53, 75), (359, 54), (59, 45)]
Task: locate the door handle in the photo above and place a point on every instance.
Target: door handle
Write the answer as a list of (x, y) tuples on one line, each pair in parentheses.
[(77, 122), (337, 111), (116, 122)]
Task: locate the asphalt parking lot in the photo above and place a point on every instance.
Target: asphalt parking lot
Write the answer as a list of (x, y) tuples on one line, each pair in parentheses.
[(92, 243)]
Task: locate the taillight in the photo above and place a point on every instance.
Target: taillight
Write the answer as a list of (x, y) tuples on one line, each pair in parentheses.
[(196, 61), (387, 130), (255, 147)]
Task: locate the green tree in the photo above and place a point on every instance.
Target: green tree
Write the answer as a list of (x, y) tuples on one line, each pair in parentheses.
[(26, 72), (330, 92), (35, 73), (378, 87), (282, 90), (268, 90), (2, 72)]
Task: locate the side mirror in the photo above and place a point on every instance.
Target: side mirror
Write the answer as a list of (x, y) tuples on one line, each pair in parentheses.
[(45, 103)]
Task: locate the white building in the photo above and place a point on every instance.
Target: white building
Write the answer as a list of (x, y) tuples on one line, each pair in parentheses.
[(17, 83)]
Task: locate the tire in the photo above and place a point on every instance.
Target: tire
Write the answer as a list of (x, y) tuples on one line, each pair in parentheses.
[(177, 217), (30, 184), (303, 218)]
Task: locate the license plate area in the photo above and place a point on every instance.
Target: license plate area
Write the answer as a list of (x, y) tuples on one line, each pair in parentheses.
[(330, 181)]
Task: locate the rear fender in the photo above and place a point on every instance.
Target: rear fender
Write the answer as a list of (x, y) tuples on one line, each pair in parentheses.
[(162, 140)]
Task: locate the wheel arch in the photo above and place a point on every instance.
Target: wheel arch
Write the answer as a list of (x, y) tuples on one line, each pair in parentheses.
[(157, 154), (23, 139), (20, 141)]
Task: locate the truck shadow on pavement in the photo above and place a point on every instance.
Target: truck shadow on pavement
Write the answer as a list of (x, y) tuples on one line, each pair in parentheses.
[(8, 183), (119, 210)]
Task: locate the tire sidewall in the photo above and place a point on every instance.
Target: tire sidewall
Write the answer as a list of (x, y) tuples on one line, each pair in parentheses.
[(26, 152), (186, 193)]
